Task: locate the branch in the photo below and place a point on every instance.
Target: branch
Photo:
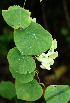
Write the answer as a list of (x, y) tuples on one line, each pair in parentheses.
[(66, 12), (44, 15)]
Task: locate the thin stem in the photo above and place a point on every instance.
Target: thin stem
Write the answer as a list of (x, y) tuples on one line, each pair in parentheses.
[(24, 3), (39, 79), (44, 15), (66, 12)]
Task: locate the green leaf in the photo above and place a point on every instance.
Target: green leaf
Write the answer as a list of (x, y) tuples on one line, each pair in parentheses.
[(7, 89), (28, 91), (20, 64), (57, 94), (33, 40), (17, 17), (24, 78)]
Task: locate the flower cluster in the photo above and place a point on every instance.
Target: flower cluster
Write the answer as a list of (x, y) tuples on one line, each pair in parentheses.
[(48, 59)]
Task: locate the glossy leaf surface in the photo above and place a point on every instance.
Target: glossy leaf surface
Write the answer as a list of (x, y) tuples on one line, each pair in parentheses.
[(33, 40), (20, 64), (28, 91)]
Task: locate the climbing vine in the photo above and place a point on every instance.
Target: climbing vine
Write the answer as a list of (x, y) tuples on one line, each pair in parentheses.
[(31, 39)]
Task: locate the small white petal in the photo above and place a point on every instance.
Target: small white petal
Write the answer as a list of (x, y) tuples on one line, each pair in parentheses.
[(53, 55), (54, 43), (47, 59), (45, 66)]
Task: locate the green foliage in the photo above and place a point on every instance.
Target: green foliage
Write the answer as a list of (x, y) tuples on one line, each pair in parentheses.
[(33, 40), (24, 78), (7, 90), (15, 15), (28, 91), (30, 39), (18, 62), (57, 94)]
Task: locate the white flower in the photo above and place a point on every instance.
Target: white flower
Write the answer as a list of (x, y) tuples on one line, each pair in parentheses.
[(45, 66), (53, 46), (47, 59)]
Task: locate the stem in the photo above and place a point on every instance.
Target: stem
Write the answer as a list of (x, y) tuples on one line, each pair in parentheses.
[(44, 15), (66, 12), (39, 79), (24, 3)]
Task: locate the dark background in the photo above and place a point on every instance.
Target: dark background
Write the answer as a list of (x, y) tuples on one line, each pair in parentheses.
[(54, 16)]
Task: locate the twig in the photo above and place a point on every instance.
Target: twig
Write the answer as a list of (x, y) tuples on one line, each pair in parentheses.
[(44, 15), (66, 12)]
